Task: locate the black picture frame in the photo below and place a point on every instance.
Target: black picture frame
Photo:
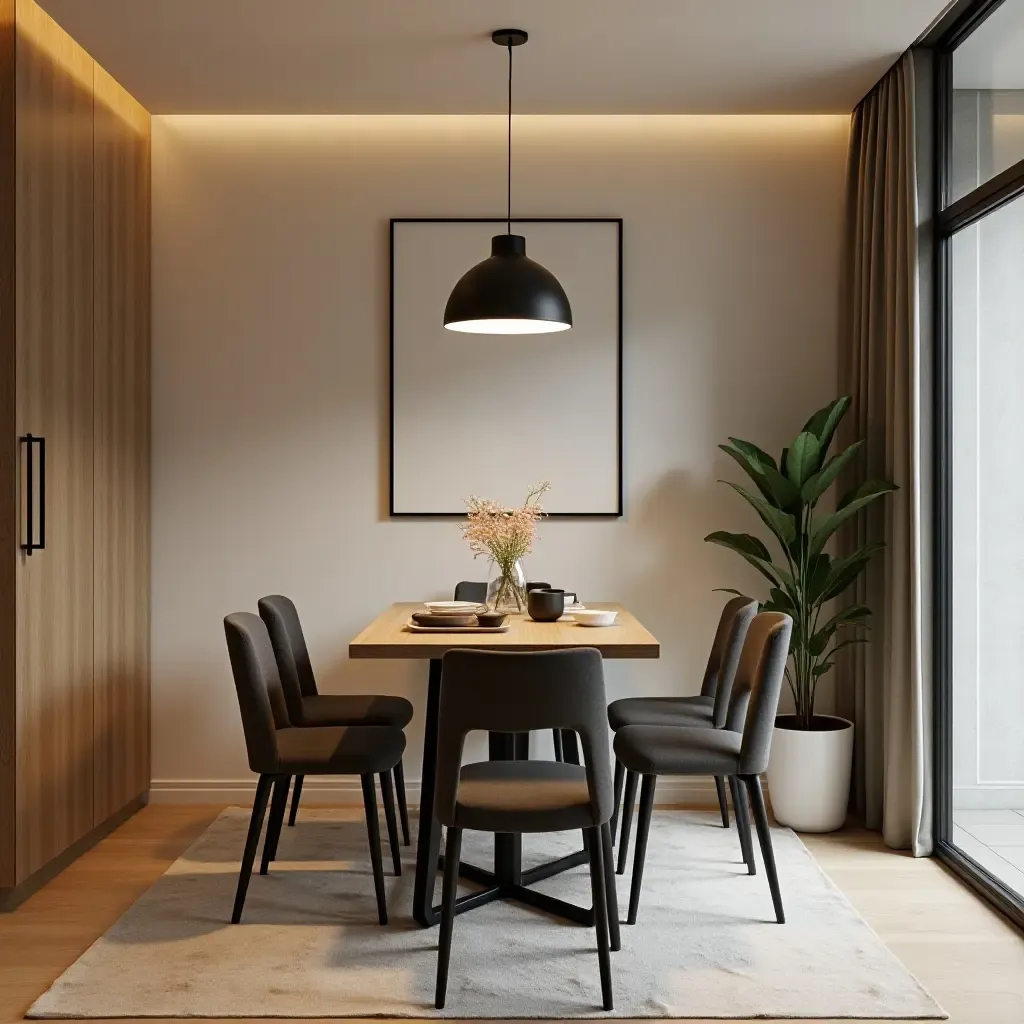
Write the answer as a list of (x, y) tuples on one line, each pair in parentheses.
[(619, 510)]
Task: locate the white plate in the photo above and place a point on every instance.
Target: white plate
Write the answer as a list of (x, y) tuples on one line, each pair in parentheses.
[(451, 607)]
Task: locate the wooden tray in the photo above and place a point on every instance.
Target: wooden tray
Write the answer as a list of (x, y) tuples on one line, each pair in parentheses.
[(412, 627)]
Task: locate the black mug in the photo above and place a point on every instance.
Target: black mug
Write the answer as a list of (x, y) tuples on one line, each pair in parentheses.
[(545, 605)]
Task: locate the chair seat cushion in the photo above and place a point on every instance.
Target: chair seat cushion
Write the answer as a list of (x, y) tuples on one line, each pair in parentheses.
[(672, 750), (355, 709), (684, 711), (339, 750), (523, 796)]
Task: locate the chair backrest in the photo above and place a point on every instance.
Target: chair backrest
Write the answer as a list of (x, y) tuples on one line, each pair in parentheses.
[(725, 654), (469, 591), (293, 664), (258, 686), (499, 691), (758, 686)]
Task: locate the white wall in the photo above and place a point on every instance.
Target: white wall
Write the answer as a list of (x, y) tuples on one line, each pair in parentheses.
[(270, 377)]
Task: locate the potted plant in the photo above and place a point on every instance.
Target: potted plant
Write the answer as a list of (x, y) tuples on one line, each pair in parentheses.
[(812, 755)]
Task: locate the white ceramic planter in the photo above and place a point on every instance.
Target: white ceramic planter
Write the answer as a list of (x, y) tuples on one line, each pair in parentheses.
[(809, 773)]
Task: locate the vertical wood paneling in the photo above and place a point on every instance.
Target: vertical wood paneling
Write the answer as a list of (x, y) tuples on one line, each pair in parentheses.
[(121, 466), (8, 453), (54, 313)]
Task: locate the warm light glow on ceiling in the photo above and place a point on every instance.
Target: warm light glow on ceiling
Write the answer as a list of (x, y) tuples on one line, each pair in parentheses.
[(507, 326)]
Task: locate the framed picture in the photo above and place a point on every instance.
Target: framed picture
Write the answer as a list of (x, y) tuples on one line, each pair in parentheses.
[(492, 414)]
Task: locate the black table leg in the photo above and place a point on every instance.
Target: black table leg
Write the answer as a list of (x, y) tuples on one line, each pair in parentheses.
[(428, 839)]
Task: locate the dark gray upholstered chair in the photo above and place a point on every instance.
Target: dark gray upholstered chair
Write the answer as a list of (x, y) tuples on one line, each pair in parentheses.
[(308, 707), (469, 590), (516, 693), (278, 750), (709, 709), (740, 750)]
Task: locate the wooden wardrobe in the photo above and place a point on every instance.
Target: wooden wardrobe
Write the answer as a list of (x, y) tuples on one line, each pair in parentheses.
[(74, 462)]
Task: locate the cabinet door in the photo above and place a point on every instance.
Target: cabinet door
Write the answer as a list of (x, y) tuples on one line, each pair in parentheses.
[(121, 403), (54, 313)]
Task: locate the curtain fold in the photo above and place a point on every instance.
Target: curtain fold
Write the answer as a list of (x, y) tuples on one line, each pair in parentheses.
[(884, 686)]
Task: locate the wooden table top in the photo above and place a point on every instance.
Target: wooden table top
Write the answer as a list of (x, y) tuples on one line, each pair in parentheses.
[(386, 637)]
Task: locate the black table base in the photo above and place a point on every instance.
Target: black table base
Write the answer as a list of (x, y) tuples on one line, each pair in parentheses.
[(507, 881)]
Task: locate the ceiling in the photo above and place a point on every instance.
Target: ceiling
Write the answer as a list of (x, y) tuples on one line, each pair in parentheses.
[(415, 56), (992, 56)]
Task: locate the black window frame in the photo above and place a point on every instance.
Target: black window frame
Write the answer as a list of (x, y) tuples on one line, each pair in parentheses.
[(950, 218)]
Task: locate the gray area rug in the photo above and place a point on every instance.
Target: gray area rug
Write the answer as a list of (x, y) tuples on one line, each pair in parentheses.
[(705, 945)]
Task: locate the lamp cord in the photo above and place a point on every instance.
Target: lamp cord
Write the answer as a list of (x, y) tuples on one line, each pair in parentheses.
[(509, 191)]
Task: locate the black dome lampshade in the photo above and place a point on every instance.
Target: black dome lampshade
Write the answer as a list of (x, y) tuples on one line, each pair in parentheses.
[(508, 293)]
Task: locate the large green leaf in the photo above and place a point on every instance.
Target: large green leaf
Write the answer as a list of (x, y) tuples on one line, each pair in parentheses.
[(824, 422), (752, 468), (738, 542), (845, 570), (824, 527), (802, 461), (817, 484), (753, 452), (852, 616), (782, 601), (745, 543), (819, 569), (782, 524), (773, 485)]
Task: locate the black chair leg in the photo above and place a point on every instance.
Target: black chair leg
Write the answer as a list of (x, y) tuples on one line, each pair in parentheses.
[(598, 888), (452, 854), (556, 738), (296, 792), (276, 820), (643, 828), (723, 804), (620, 774), (252, 840), (611, 895), (403, 807), (628, 799), (373, 835), (387, 796), (739, 803), (764, 837)]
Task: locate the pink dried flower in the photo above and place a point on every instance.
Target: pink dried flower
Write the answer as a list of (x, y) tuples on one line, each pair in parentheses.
[(504, 534)]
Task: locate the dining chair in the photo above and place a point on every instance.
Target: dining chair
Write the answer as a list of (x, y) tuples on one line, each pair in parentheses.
[(707, 709), (469, 590), (509, 692), (740, 750), (308, 707), (278, 750)]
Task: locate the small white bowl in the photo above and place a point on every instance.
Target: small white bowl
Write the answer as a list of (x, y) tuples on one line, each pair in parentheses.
[(595, 617), (451, 607)]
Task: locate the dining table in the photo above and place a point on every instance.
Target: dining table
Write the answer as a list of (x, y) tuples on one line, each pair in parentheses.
[(388, 637)]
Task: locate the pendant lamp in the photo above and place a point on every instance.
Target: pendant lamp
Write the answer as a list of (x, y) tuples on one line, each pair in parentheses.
[(508, 293)]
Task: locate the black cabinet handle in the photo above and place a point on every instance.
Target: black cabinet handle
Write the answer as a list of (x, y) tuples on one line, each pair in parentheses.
[(31, 544)]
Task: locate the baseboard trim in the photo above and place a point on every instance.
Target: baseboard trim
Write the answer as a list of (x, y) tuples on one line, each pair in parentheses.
[(346, 792), (13, 896)]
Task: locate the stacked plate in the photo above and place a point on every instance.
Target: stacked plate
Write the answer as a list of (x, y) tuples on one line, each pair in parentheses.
[(447, 614)]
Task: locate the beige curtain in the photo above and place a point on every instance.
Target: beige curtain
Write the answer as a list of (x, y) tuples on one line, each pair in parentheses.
[(885, 685)]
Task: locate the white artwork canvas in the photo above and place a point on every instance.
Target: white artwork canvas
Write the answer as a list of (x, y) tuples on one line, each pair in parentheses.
[(492, 414)]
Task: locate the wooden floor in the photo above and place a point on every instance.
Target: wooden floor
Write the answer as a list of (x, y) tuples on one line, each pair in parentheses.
[(964, 953)]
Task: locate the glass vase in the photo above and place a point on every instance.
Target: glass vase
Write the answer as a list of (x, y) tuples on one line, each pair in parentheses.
[(506, 588)]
